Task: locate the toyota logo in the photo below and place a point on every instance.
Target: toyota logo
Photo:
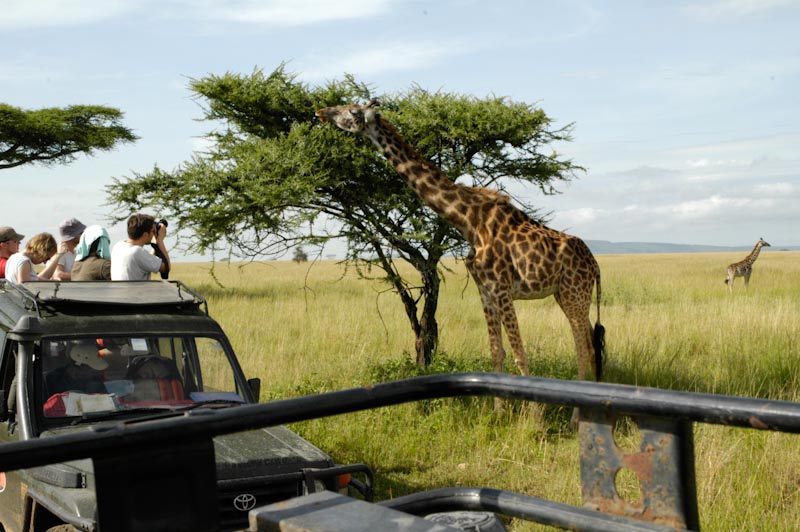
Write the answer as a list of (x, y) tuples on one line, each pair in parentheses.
[(244, 502)]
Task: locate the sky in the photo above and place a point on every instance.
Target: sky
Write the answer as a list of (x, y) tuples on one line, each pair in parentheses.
[(686, 114)]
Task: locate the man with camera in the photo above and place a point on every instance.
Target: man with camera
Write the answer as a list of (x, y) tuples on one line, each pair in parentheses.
[(130, 261)]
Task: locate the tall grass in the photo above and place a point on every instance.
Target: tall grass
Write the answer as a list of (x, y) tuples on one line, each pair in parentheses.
[(670, 322)]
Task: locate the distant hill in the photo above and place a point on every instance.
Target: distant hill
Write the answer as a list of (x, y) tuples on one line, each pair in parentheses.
[(600, 247)]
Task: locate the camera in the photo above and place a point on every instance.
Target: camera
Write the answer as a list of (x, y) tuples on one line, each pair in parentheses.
[(157, 250)]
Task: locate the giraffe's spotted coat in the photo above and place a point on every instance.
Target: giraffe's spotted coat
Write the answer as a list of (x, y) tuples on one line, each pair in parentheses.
[(744, 268), (512, 256)]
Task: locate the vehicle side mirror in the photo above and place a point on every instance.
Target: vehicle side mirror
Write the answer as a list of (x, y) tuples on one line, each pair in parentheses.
[(255, 388)]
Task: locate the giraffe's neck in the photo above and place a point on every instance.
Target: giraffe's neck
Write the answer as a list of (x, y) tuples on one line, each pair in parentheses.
[(751, 258), (443, 196)]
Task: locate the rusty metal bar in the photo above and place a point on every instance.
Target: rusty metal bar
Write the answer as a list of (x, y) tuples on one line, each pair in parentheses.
[(110, 438), (663, 462), (511, 504)]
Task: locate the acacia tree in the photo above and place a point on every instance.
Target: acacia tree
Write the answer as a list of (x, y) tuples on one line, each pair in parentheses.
[(55, 135), (274, 175)]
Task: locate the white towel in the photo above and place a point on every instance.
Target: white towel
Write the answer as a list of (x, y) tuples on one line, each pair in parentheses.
[(92, 233)]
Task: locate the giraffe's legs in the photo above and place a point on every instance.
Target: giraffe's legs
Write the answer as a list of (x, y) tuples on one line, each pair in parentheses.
[(582, 333), (510, 322), (577, 314), (578, 317), (493, 323), (747, 280)]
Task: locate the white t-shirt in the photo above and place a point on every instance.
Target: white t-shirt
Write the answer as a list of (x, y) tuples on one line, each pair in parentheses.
[(67, 260), (132, 263), (15, 264)]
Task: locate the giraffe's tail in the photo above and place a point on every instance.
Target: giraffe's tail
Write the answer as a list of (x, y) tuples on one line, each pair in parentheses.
[(598, 337)]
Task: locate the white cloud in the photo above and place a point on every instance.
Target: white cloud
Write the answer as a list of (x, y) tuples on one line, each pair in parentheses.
[(646, 172), (699, 163), (775, 189), (714, 203), (289, 12), (579, 216), (701, 208), (393, 57), (20, 14), (719, 9), (740, 159)]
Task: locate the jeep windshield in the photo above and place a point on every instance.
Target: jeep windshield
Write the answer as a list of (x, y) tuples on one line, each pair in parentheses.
[(89, 377)]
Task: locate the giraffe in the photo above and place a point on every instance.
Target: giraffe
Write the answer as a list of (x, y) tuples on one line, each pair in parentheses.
[(744, 268), (511, 256)]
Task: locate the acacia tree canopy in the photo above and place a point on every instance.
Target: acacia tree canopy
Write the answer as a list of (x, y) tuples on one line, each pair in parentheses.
[(275, 178), (56, 135)]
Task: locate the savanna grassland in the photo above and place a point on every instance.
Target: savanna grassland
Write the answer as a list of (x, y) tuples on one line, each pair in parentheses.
[(670, 323)]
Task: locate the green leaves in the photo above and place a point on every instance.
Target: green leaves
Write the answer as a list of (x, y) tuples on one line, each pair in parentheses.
[(273, 167), (276, 178), (488, 139), (55, 135)]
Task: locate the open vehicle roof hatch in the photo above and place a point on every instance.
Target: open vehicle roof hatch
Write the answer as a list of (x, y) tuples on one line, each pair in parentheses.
[(120, 293)]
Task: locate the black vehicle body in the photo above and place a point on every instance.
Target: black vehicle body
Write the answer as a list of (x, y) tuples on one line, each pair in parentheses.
[(121, 325)]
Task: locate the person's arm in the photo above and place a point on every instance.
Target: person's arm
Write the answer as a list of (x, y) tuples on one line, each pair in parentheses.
[(24, 271), (61, 274), (166, 265), (52, 262)]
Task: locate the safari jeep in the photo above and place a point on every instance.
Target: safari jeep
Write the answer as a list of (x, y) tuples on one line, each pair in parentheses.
[(78, 356)]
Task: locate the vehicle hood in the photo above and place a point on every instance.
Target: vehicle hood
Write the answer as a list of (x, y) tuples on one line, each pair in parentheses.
[(271, 450), (260, 452)]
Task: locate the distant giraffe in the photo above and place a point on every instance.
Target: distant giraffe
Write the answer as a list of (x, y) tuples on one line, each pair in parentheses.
[(745, 267), (512, 257)]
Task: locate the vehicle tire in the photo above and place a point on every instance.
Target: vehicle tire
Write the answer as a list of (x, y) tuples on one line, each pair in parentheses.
[(63, 528)]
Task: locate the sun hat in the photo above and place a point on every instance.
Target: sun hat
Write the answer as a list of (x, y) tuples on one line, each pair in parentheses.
[(87, 354), (70, 228), (8, 233)]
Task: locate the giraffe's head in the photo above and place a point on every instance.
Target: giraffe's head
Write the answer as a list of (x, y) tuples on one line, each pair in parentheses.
[(353, 118), (763, 242)]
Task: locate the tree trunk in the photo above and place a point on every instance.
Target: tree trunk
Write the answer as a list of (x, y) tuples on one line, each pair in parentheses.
[(425, 327), (428, 336)]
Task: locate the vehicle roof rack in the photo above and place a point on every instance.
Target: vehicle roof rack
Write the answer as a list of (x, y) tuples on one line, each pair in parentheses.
[(124, 293)]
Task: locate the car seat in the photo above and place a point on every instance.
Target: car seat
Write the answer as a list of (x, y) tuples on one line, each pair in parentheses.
[(155, 378)]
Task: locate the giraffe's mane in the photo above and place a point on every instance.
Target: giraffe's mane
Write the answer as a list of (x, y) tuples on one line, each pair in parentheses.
[(383, 123), (396, 132), (490, 193), (493, 193), (388, 125)]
